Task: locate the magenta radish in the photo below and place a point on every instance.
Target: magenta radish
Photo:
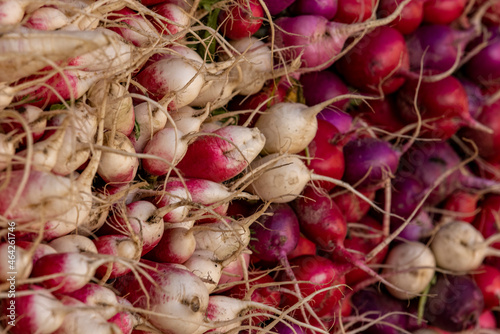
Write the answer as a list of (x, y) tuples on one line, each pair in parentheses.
[(169, 146), (328, 9), (124, 319), (42, 312), (411, 16), (487, 279), (241, 19), (443, 11), (46, 18), (119, 113), (123, 249), (150, 119), (177, 20), (223, 155), (321, 86), (178, 298), (317, 40), (17, 262), (73, 244), (353, 208), (276, 6), (482, 67), (65, 272), (381, 114), (17, 49), (118, 165), (176, 245), (99, 297), (353, 11), (411, 267), (458, 246), (205, 266), (139, 219), (82, 319), (374, 62), (175, 80), (132, 26)]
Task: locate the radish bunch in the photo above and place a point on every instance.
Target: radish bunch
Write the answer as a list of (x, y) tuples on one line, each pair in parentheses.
[(242, 166)]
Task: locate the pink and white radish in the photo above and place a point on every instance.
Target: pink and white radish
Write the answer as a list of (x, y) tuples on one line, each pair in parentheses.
[(36, 120), (203, 264), (171, 19), (234, 272), (169, 146), (126, 320), (178, 299), (150, 119), (410, 268), (41, 312), (100, 298), (176, 245), (459, 246), (36, 249), (122, 249), (132, 26), (187, 119), (73, 243), (17, 262), (47, 18), (118, 165), (222, 158)]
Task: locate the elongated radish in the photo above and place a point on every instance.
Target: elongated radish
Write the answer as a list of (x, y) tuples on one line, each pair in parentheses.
[(187, 119), (173, 194), (416, 263), (150, 120), (42, 312), (122, 248), (222, 158), (17, 263), (132, 26), (171, 19), (167, 144), (459, 246), (177, 297), (47, 18), (101, 298), (7, 151), (17, 49), (233, 272), (120, 165), (73, 243)]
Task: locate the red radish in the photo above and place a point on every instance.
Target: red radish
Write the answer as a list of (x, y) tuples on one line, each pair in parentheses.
[(373, 63), (205, 266), (177, 20), (222, 158), (487, 320), (459, 246), (462, 205), (487, 279), (328, 9), (132, 26), (410, 268), (304, 247), (47, 18), (41, 312), (175, 79), (352, 207), (119, 114), (65, 272), (125, 319), (381, 114), (352, 11), (150, 119), (276, 6), (17, 262), (73, 243), (102, 299), (82, 319), (443, 106), (123, 249), (18, 47), (174, 192), (411, 16), (178, 298), (176, 245), (39, 249), (119, 165), (443, 11), (241, 19), (233, 272), (139, 219), (169, 146)]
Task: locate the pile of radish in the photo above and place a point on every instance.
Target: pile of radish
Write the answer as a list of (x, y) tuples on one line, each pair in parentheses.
[(250, 166)]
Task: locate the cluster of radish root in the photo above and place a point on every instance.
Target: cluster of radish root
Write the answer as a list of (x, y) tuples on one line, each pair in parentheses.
[(115, 203)]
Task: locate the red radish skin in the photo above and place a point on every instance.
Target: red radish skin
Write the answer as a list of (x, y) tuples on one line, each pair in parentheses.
[(101, 298), (241, 19), (352, 207), (487, 279), (462, 205), (381, 114), (443, 11), (177, 20), (372, 64), (119, 246), (125, 320), (304, 247), (174, 192), (167, 144), (328, 9), (177, 245), (353, 11), (222, 159), (411, 16)]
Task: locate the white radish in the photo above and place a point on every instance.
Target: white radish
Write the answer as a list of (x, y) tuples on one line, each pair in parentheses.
[(47, 18), (150, 120), (35, 117), (133, 27), (73, 243), (187, 119), (100, 298), (16, 262), (410, 268), (459, 246), (167, 144), (178, 298), (115, 167), (203, 264), (119, 113), (7, 151)]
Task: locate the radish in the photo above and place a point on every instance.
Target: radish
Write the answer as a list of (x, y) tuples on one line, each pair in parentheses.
[(132, 26), (37, 249), (119, 113), (459, 246), (317, 40), (461, 205), (233, 272), (241, 19), (169, 146), (7, 151), (411, 16), (177, 298), (125, 319), (47, 18), (203, 265), (17, 262), (65, 272), (17, 48), (41, 312), (224, 154), (411, 268), (82, 319), (174, 193), (276, 6), (102, 299), (177, 19), (118, 165), (443, 11), (321, 86), (187, 119), (328, 9), (149, 119), (176, 245), (487, 279), (73, 244), (36, 121), (123, 248), (353, 208), (353, 11)]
